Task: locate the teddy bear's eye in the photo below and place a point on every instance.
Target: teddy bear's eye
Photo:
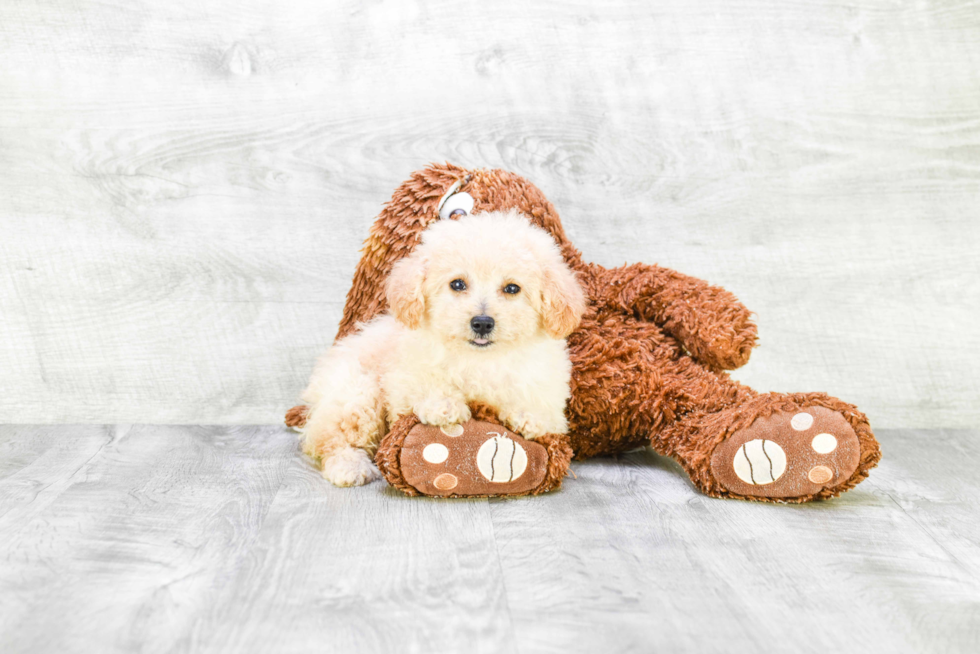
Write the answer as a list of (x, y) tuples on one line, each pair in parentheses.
[(456, 205), (512, 289), (457, 285)]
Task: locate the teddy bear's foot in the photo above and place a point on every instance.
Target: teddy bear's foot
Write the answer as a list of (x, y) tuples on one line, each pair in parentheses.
[(478, 458), (788, 454)]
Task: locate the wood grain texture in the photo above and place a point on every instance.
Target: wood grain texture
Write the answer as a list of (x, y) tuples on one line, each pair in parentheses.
[(114, 539), (225, 539), (186, 185)]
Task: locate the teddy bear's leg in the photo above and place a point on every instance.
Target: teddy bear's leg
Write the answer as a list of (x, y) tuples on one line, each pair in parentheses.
[(771, 446)]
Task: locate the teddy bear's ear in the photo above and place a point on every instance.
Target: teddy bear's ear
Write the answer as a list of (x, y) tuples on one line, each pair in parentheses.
[(563, 301), (404, 291)]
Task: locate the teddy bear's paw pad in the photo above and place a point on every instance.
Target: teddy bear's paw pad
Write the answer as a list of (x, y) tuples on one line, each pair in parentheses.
[(788, 454), (478, 459)]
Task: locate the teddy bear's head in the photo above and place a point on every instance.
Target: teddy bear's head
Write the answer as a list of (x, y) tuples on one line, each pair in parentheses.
[(440, 192)]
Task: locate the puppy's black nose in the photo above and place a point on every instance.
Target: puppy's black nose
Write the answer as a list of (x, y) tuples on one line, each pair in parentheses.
[(482, 325)]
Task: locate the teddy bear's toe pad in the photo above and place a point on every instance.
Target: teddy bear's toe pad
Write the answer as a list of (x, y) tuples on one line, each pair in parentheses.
[(482, 459), (788, 454)]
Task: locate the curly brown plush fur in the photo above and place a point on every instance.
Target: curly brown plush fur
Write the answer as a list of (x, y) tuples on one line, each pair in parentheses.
[(649, 357)]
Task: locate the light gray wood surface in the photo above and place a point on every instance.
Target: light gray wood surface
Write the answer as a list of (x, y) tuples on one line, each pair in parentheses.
[(224, 539), (185, 184)]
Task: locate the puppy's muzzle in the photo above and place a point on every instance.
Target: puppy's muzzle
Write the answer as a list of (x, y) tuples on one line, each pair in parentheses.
[(482, 325)]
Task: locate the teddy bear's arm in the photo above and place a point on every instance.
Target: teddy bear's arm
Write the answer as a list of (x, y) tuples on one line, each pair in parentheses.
[(708, 320)]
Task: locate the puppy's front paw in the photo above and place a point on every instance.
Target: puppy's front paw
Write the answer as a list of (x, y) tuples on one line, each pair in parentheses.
[(531, 426), (441, 411), (350, 467)]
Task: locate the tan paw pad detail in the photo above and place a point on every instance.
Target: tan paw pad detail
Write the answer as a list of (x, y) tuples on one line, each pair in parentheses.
[(435, 453), (501, 459), (759, 462), (453, 431), (479, 459), (788, 454), (824, 443), (801, 421), (445, 482), (820, 474)]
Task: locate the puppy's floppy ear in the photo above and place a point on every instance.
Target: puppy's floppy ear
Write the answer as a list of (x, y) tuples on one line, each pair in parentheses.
[(562, 300), (404, 291)]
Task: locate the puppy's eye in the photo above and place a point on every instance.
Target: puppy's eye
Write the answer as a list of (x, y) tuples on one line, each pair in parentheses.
[(456, 205), (512, 289), (457, 285)]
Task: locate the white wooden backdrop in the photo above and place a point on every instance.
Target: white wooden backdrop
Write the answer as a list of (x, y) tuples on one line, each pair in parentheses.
[(184, 185)]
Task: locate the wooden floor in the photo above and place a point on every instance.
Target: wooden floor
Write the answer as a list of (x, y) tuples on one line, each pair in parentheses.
[(223, 539)]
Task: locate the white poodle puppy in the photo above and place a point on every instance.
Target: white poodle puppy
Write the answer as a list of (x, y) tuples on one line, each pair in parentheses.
[(478, 313)]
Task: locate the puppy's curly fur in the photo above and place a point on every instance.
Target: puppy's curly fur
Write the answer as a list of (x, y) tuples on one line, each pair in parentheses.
[(478, 313)]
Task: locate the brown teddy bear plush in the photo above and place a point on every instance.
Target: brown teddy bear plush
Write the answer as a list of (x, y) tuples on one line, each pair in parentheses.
[(648, 368)]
